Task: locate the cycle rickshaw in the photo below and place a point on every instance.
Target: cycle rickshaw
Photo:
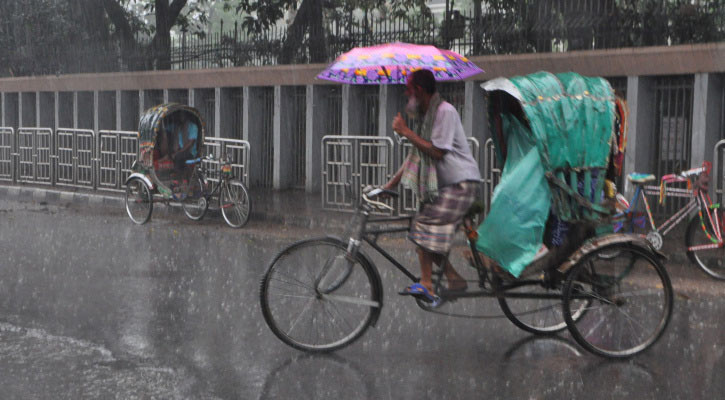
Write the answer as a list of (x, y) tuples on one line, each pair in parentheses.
[(557, 137), (170, 167)]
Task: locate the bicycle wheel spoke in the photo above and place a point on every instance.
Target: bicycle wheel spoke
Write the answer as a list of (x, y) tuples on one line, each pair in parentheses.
[(351, 300), (317, 320), (296, 281), (294, 323), (294, 296), (342, 316)]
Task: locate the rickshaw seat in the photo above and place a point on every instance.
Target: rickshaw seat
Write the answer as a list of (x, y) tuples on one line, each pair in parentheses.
[(163, 165), (476, 208), (637, 177)]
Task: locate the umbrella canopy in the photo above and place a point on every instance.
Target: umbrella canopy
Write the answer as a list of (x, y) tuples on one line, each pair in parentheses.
[(391, 64)]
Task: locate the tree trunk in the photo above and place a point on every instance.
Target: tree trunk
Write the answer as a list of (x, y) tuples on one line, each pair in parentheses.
[(318, 43), (166, 15), (127, 42), (295, 33), (161, 43), (477, 28)]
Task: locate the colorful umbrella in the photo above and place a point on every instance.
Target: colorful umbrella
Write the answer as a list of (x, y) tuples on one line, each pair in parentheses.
[(391, 63)]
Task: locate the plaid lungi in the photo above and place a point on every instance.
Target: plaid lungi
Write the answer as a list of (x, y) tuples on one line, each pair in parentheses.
[(435, 224)]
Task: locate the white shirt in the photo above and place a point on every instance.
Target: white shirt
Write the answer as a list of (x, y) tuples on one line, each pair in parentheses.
[(457, 164)]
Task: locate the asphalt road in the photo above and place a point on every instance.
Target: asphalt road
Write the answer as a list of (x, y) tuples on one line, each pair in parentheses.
[(92, 306)]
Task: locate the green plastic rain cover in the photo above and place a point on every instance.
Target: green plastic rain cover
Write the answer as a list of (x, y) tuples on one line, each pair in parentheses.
[(571, 120)]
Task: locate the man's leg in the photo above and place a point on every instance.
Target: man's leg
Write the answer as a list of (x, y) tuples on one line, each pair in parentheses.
[(426, 268), (426, 258), (455, 280)]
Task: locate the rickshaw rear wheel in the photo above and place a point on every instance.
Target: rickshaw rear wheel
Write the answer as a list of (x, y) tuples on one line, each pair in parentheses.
[(196, 204), (631, 300), (541, 316), (139, 201)]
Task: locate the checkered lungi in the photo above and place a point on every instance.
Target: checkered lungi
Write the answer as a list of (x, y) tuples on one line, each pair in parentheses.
[(435, 224)]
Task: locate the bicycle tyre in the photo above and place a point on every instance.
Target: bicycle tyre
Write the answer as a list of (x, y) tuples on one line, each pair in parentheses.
[(710, 261), (139, 201), (539, 316), (195, 206), (599, 330), (361, 294), (235, 203)]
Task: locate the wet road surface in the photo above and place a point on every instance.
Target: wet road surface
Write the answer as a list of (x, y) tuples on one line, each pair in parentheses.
[(92, 306)]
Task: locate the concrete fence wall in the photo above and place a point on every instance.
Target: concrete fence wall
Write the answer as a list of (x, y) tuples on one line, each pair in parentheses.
[(676, 97)]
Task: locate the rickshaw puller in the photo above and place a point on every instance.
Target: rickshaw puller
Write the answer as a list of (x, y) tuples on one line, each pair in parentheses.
[(443, 174)]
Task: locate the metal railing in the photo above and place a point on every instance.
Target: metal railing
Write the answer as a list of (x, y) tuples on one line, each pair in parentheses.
[(349, 163), (117, 151), (7, 154), (75, 156), (83, 158), (34, 147), (237, 150), (490, 174), (501, 27)]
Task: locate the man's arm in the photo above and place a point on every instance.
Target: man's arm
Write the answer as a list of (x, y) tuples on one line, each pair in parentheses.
[(395, 180), (423, 145), (188, 144)]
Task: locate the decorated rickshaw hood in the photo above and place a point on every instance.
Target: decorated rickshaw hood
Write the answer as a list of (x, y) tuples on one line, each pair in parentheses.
[(150, 122), (570, 116)]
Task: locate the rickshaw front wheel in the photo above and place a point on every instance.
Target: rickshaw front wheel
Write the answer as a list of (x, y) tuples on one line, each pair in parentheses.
[(139, 201)]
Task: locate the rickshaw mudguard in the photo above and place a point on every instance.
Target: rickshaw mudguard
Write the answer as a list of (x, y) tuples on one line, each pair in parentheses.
[(144, 178), (599, 242)]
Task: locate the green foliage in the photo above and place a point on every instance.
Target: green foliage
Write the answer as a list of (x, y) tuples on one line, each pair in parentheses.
[(261, 14), (695, 24)]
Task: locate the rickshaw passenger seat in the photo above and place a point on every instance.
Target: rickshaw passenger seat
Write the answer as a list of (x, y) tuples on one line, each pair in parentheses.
[(476, 208), (637, 177)]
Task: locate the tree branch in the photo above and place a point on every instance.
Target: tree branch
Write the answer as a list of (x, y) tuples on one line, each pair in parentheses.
[(118, 17), (174, 11)]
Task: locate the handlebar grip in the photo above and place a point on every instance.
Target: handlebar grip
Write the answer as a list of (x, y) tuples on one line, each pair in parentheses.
[(378, 191)]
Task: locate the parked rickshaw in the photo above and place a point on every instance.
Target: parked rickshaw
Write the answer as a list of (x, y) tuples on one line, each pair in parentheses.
[(170, 168), (559, 138)]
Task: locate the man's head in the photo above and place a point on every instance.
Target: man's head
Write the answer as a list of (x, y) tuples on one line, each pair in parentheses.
[(420, 87)]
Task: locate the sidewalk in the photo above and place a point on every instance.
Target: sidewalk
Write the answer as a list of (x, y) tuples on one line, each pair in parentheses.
[(286, 207)]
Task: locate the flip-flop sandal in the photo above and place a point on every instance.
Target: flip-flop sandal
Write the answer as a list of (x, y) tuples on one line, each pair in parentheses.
[(419, 291)]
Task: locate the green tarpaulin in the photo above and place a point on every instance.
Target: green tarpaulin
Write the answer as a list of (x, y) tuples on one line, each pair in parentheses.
[(565, 123)]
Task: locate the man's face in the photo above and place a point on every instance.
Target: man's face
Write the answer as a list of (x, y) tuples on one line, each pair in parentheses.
[(413, 108)]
